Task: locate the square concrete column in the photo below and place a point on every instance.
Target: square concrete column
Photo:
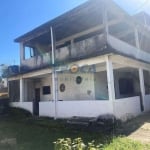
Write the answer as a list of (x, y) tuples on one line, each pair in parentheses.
[(142, 86), (110, 79), (22, 53), (21, 90)]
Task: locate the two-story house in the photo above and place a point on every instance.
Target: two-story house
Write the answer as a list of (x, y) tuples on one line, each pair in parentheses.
[(90, 61)]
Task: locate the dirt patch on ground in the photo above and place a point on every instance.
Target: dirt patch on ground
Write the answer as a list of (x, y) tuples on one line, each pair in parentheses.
[(138, 128)]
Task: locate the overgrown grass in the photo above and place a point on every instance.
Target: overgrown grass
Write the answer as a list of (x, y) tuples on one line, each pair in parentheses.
[(39, 134), (122, 143)]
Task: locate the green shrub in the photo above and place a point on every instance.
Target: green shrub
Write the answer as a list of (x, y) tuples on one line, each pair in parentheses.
[(76, 144), (120, 143), (124, 144)]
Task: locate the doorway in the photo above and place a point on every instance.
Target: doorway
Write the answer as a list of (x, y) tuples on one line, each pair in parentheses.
[(36, 102)]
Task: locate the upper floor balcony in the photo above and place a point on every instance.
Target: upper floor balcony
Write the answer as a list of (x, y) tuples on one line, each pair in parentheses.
[(37, 57), (95, 28)]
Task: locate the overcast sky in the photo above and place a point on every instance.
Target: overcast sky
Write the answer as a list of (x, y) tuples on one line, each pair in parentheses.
[(20, 16)]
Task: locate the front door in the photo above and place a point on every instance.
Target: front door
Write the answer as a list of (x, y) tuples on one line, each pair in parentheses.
[(36, 102)]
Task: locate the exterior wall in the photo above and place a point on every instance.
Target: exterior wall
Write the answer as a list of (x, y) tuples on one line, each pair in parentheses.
[(127, 108), (79, 99), (147, 103), (24, 105), (66, 109), (62, 53), (101, 90), (74, 91), (128, 50), (35, 62), (47, 109), (123, 108), (86, 47), (46, 81)]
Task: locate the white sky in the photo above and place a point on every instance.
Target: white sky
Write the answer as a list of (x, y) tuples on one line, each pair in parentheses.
[(134, 6)]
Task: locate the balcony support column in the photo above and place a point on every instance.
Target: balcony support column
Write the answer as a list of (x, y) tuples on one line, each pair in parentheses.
[(21, 89), (22, 53), (142, 88), (54, 73)]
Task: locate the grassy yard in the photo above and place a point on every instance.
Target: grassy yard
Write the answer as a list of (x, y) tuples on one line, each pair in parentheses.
[(26, 133)]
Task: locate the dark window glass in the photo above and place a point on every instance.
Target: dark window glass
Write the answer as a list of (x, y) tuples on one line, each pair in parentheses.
[(126, 86), (46, 90)]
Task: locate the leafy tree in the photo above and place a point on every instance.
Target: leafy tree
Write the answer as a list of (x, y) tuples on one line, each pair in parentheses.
[(4, 71)]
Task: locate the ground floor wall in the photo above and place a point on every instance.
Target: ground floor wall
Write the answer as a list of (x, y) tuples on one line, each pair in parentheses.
[(105, 90), (147, 103), (127, 108), (123, 109), (93, 86), (24, 105)]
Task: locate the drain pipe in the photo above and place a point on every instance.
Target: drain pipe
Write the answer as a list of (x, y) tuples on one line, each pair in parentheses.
[(54, 73)]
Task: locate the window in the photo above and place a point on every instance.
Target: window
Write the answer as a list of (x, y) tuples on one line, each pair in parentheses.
[(29, 52), (46, 90), (126, 86)]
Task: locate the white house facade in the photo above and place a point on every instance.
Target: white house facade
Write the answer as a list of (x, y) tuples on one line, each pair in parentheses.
[(93, 60)]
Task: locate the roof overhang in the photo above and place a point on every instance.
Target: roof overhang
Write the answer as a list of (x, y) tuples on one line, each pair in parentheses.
[(83, 17)]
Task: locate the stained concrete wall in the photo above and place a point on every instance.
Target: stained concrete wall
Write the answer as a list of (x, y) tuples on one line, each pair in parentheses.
[(127, 108), (101, 88), (74, 91), (93, 86)]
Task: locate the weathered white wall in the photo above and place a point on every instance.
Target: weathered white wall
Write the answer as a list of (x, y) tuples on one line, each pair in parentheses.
[(123, 108), (127, 108), (47, 109), (128, 50), (74, 91), (62, 54), (46, 82), (36, 61), (101, 90), (147, 103), (25, 105), (66, 109)]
